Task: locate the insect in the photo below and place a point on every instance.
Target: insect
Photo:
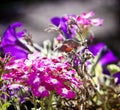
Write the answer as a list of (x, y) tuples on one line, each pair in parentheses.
[(68, 45)]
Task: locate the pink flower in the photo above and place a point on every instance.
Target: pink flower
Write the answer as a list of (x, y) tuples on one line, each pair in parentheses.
[(66, 92), (97, 22), (68, 24), (42, 75), (85, 20), (88, 15), (40, 91)]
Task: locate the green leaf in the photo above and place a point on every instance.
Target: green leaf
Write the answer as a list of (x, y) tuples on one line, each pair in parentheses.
[(113, 68), (4, 106)]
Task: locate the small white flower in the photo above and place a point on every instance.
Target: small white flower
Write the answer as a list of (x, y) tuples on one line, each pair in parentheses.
[(41, 89), (54, 81), (36, 80), (64, 91)]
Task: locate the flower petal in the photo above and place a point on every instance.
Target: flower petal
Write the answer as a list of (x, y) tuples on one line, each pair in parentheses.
[(10, 35), (15, 51), (108, 58), (55, 21), (117, 77), (96, 48)]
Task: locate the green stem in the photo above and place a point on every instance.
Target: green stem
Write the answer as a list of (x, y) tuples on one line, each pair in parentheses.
[(1, 108), (34, 102), (50, 101), (18, 106), (42, 106), (105, 105)]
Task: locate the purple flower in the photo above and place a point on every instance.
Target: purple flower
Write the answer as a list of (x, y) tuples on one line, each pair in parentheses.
[(117, 77), (62, 24), (105, 54), (105, 57), (10, 42), (70, 24)]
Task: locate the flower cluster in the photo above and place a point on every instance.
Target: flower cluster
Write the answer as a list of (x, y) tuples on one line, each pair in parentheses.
[(42, 75), (70, 24), (67, 74)]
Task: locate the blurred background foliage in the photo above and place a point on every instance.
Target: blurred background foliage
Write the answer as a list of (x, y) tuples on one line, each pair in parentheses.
[(36, 14)]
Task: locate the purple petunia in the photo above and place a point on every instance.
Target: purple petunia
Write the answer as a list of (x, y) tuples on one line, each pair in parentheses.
[(10, 42), (106, 55), (62, 24)]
